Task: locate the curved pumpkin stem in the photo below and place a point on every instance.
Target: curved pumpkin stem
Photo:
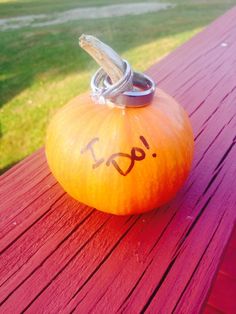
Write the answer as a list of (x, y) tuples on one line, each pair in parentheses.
[(104, 55)]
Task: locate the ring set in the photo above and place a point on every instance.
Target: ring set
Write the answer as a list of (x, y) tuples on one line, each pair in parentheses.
[(132, 90)]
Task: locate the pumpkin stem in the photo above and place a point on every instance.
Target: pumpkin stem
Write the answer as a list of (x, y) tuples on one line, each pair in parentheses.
[(104, 55)]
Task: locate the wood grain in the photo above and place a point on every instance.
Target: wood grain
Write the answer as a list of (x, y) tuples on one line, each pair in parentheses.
[(222, 295), (58, 255)]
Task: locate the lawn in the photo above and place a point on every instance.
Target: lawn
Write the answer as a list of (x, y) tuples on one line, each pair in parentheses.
[(42, 68)]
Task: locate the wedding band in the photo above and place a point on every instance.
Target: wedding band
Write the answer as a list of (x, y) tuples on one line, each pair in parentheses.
[(98, 87), (133, 90), (141, 95)]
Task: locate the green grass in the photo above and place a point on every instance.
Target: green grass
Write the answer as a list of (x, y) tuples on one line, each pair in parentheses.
[(10, 8), (42, 68)]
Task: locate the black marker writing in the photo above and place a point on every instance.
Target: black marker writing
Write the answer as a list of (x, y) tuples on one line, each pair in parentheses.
[(89, 146), (144, 141), (136, 154), (133, 157)]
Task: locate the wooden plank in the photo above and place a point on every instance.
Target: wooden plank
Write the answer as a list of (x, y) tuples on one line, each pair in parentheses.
[(222, 294), (211, 310), (228, 267), (60, 255)]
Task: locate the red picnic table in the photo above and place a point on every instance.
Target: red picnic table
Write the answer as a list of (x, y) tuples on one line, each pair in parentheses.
[(60, 256)]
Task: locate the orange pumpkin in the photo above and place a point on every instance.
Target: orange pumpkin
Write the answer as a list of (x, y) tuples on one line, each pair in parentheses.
[(121, 160)]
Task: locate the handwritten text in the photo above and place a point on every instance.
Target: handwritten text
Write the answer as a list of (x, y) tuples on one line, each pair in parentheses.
[(136, 154)]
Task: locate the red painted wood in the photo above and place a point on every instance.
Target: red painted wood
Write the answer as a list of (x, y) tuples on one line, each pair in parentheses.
[(58, 255), (211, 310), (222, 294), (232, 243), (228, 267)]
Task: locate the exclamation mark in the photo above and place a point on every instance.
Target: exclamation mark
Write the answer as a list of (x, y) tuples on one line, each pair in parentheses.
[(145, 143)]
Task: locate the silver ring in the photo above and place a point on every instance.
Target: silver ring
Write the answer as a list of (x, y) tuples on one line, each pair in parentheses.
[(110, 91), (133, 90)]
